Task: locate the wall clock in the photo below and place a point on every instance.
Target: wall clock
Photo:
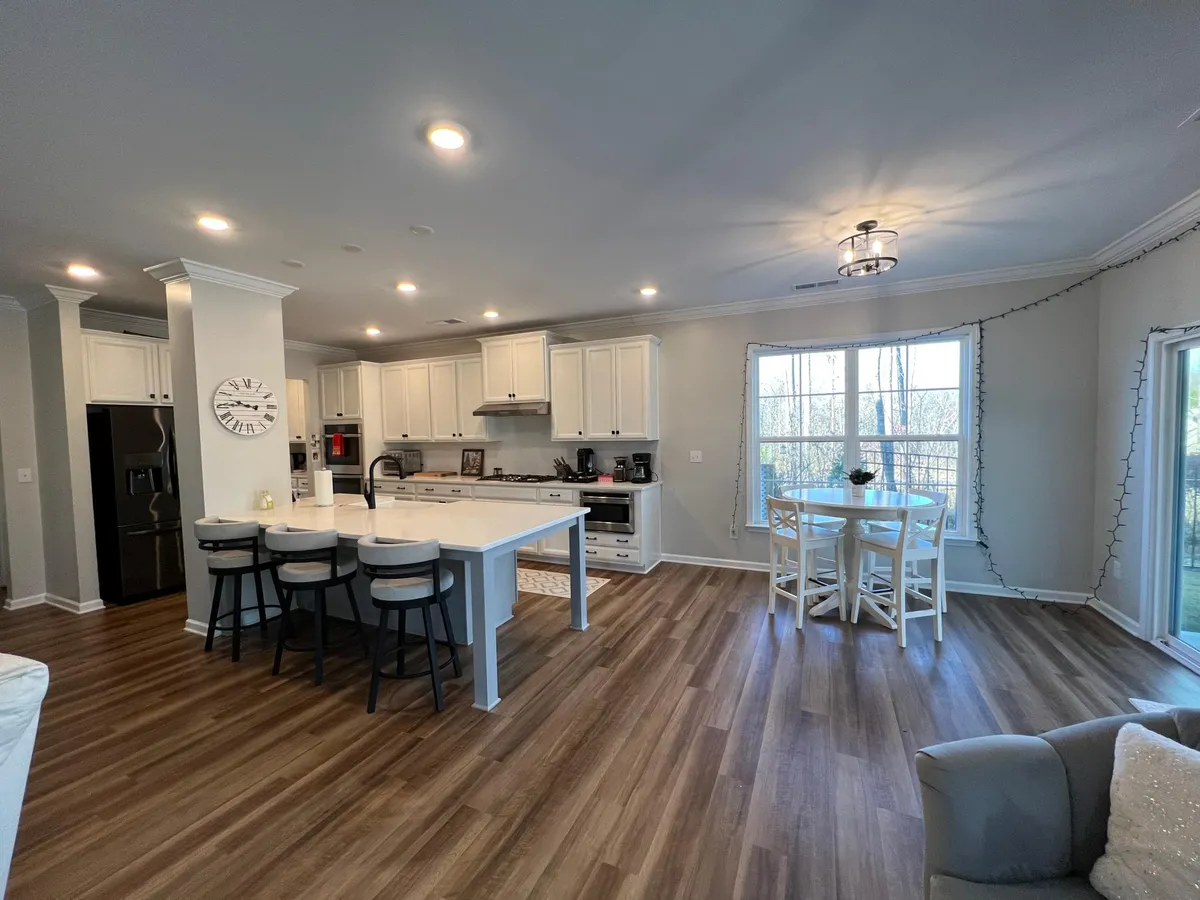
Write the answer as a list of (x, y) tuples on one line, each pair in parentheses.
[(245, 406)]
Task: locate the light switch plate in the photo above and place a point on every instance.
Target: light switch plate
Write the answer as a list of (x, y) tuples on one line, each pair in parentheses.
[(696, 456), (25, 476)]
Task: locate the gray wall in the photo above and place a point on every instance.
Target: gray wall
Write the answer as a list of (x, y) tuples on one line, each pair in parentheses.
[(1163, 290), (1040, 431)]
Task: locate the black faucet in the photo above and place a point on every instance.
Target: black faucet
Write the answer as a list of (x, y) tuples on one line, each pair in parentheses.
[(369, 493)]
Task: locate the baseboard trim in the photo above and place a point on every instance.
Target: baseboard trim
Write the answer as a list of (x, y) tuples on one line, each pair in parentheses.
[(716, 563), (983, 589), (195, 626), (25, 602), (1118, 618), (79, 607)]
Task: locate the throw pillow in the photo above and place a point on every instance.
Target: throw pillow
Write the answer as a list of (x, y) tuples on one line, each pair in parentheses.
[(1153, 848)]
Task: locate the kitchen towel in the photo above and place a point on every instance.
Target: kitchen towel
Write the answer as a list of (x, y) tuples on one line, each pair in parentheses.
[(324, 487)]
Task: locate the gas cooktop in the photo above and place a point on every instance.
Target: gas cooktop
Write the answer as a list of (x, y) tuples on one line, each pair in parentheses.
[(527, 479)]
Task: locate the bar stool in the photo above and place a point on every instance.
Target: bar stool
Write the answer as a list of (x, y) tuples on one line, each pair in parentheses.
[(233, 552), (312, 561), (408, 575)]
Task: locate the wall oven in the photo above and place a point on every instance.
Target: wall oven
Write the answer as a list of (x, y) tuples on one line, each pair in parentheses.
[(343, 449), (347, 484), (608, 511)]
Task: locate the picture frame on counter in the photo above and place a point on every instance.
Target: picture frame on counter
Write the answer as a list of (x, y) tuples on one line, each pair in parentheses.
[(472, 463)]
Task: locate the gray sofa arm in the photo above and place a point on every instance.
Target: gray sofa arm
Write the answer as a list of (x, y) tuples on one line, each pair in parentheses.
[(997, 810)]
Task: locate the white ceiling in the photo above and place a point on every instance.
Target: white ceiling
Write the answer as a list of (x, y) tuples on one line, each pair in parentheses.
[(718, 149)]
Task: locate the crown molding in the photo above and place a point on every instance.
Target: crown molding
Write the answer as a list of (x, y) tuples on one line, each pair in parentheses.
[(70, 295), (1166, 224), (177, 270), (305, 347), (7, 302), (93, 317)]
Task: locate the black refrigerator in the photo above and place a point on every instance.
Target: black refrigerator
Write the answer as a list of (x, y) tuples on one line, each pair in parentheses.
[(135, 498)]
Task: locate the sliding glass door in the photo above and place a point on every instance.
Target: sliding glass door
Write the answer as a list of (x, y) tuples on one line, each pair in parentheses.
[(1185, 599)]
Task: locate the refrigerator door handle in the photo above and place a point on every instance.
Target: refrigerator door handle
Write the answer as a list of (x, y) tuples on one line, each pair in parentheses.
[(155, 529), (171, 485)]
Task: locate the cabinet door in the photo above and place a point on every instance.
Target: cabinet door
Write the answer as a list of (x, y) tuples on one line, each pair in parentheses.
[(498, 372), (557, 544), (351, 391), (443, 401), (599, 397), (469, 390), (331, 393), (297, 409), (121, 370), (566, 394), (395, 402), (529, 368), (632, 390), (165, 390), (416, 393)]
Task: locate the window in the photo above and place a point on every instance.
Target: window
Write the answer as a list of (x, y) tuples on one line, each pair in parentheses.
[(902, 410)]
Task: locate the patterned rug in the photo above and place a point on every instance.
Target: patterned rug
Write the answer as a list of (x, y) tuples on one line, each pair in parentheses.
[(553, 584)]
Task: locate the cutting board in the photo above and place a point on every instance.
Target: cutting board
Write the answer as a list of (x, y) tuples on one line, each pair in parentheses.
[(434, 474)]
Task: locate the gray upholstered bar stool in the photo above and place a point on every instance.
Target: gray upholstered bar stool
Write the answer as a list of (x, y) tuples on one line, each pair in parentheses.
[(408, 575), (233, 551), (312, 561)]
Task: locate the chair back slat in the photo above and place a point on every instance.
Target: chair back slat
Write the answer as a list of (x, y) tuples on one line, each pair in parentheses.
[(783, 515)]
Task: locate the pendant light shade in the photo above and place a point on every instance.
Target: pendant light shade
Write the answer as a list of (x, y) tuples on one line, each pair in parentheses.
[(870, 251)]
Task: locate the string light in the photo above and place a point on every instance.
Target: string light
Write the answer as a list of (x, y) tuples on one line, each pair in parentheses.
[(980, 397)]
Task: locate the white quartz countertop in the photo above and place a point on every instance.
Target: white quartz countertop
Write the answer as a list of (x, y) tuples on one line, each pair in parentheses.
[(571, 485), (466, 525)]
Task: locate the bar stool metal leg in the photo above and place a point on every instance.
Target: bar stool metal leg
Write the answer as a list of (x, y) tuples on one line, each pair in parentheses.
[(212, 616), (262, 605), (285, 616), (450, 638), (401, 632), (431, 649), (358, 623), (237, 616), (319, 635), (377, 666)]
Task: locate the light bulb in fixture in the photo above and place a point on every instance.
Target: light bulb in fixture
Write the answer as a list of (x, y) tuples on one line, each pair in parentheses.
[(406, 287), (876, 247), (81, 270), (213, 223), (446, 136), (848, 256), (648, 291), (491, 314), (373, 331)]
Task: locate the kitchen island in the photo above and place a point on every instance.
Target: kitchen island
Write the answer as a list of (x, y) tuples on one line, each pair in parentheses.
[(481, 537)]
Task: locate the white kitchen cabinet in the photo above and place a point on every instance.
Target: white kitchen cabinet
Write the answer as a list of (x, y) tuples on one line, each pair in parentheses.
[(516, 367), (126, 369), (497, 371), (341, 391), (566, 393), (529, 363), (443, 400), (468, 383), (297, 409), (632, 388), (405, 388), (434, 400), (599, 396)]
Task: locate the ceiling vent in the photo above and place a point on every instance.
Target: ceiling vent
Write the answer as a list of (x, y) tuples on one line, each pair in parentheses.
[(810, 285), (450, 321)]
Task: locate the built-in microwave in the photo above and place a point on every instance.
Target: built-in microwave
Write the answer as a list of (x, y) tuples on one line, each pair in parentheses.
[(608, 511)]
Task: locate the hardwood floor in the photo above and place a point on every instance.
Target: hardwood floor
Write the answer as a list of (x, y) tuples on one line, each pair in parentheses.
[(685, 746)]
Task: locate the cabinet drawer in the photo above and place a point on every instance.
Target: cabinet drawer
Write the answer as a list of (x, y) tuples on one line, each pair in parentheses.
[(610, 539), (448, 491), (395, 487), (629, 557), (394, 495), (514, 494), (556, 495)]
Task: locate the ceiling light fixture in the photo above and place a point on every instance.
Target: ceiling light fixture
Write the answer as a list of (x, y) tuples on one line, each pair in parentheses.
[(446, 135), (491, 314), (648, 291), (293, 263), (406, 287), (373, 331), (352, 248), (81, 270), (869, 251), (213, 223)]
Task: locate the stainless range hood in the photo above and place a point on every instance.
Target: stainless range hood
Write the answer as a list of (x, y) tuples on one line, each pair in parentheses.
[(515, 408)]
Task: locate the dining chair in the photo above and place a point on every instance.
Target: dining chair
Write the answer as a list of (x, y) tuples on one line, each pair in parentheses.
[(794, 541), (916, 579), (920, 536)]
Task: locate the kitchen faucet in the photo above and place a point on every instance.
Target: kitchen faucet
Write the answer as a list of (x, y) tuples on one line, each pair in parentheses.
[(369, 493)]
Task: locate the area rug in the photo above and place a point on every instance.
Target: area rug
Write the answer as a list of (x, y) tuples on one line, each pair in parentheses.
[(1149, 706), (553, 584)]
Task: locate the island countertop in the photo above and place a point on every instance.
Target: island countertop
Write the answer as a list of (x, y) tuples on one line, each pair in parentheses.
[(479, 482)]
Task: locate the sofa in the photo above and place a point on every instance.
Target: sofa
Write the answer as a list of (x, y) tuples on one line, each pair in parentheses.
[(23, 684), (1013, 817)]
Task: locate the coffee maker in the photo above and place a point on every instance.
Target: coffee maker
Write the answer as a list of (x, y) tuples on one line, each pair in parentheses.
[(585, 463), (620, 469), (642, 473)]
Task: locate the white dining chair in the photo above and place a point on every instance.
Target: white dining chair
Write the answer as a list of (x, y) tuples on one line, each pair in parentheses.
[(920, 536), (916, 578), (795, 540)]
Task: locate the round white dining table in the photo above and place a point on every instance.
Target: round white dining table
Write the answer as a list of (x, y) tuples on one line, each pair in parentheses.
[(857, 511)]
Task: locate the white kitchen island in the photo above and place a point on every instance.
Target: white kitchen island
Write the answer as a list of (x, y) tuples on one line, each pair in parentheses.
[(482, 536)]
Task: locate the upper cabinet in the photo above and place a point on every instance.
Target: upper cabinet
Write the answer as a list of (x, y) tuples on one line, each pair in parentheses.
[(297, 409), (605, 390), (516, 367), (433, 400), (122, 368), (341, 391)]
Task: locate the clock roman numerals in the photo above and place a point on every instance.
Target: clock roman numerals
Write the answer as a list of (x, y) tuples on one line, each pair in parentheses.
[(269, 417), (226, 417)]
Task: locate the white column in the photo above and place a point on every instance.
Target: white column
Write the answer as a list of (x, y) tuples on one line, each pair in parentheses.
[(64, 467), (222, 325)]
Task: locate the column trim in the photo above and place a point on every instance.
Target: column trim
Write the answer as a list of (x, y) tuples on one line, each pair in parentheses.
[(177, 270)]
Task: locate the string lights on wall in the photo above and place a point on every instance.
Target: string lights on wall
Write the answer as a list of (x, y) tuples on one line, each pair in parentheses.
[(980, 408)]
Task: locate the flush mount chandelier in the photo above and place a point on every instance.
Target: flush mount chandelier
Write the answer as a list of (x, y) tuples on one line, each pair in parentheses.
[(870, 251)]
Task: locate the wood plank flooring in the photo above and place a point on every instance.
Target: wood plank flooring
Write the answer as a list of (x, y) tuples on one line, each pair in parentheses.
[(685, 746)]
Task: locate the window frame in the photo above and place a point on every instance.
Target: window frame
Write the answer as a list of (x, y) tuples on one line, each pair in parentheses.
[(852, 440)]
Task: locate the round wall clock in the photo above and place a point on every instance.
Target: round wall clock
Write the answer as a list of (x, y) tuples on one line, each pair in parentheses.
[(245, 406)]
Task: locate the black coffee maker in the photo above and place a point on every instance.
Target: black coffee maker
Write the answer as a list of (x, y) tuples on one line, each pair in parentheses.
[(585, 463), (642, 473)]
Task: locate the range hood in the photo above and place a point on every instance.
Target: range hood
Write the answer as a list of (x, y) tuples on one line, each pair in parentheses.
[(515, 408)]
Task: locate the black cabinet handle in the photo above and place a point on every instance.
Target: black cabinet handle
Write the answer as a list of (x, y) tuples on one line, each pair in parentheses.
[(456, 490), (556, 495), (339, 415), (581, 432), (166, 396), (586, 538), (622, 540), (623, 555), (151, 396), (589, 551), (429, 489)]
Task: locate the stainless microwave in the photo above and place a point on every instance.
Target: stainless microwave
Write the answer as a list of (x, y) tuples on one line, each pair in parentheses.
[(608, 511)]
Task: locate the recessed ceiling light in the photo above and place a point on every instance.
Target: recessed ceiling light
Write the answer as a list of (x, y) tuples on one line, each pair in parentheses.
[(213, 223), (293, 263), (372, 331), (446, 135), (648, 290), (491, 314), (421, 230), (352, 248), (406, 287), (81, 270)]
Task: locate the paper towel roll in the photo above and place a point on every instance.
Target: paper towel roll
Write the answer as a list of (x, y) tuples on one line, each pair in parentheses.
[(324, 487)]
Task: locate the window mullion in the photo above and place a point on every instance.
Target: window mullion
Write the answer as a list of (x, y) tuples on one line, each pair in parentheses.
[(851, 401)]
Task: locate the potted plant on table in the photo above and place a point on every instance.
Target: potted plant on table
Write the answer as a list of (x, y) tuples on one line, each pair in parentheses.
[(859, 478)]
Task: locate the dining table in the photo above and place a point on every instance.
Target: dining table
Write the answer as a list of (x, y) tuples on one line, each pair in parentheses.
[(857, 511)]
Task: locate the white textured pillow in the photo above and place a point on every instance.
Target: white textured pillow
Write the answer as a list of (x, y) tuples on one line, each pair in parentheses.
[(1154, 826)]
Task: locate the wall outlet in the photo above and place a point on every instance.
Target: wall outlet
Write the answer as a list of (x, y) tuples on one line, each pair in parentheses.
[(696, 456), (733, 532), (25, 476), (1116, 569)]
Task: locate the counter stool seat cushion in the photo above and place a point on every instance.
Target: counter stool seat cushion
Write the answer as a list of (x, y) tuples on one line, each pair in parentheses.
[(308, 572), (395, 590), (232, 559)]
